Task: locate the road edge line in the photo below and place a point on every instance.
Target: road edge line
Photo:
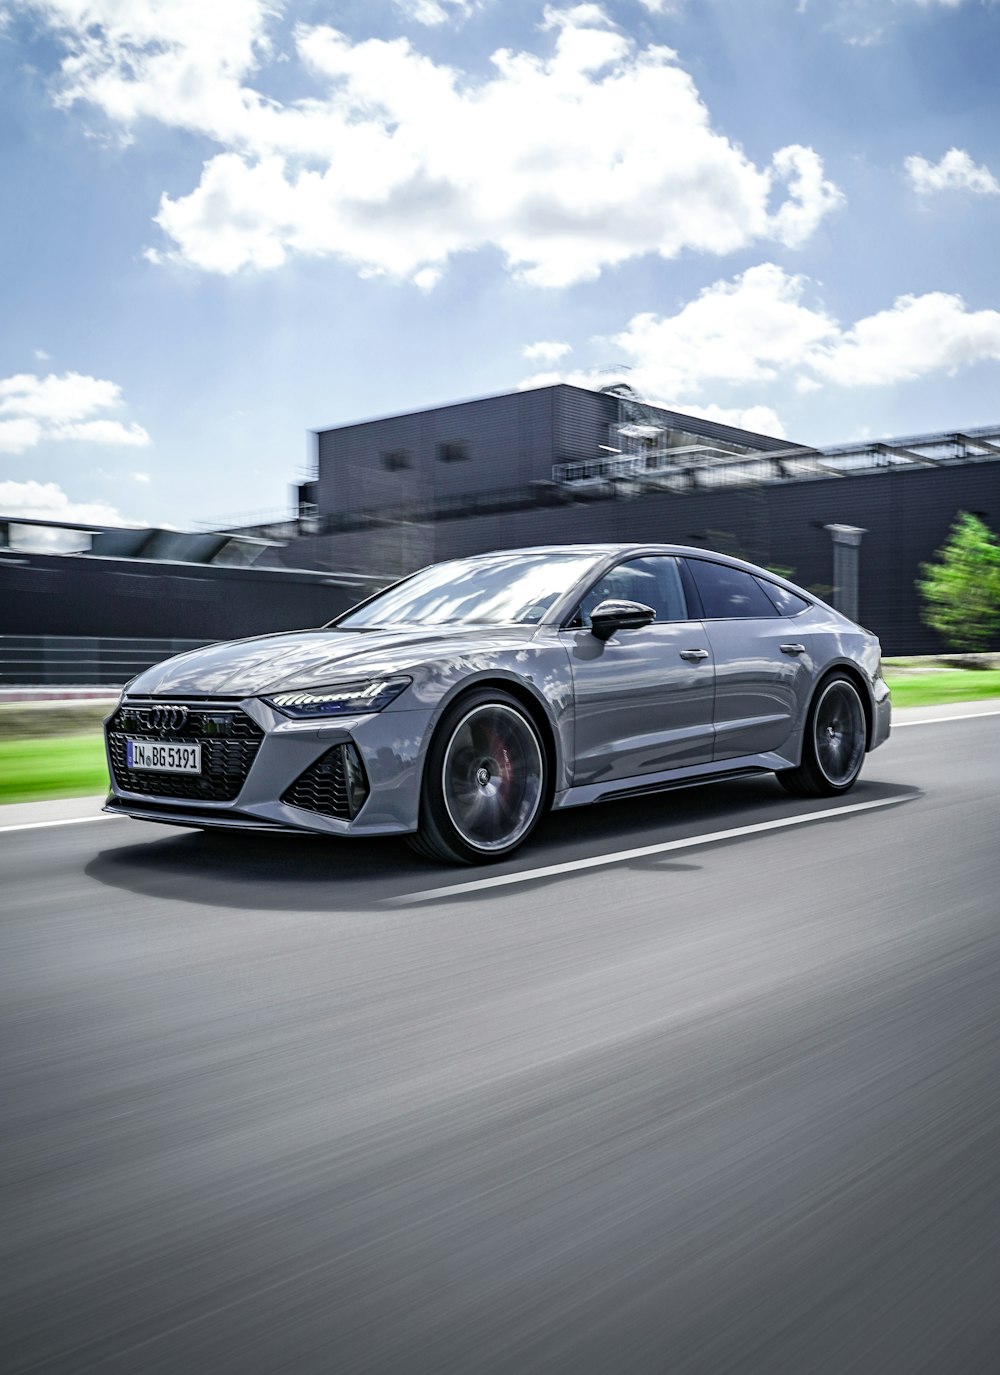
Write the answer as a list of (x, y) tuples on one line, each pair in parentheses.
[(62, 821), (939, 720)]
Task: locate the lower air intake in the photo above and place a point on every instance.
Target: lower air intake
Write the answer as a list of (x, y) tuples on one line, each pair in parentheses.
[(336, 785)]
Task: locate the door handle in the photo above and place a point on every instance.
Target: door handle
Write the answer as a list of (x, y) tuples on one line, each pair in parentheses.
[(792, 649), (693, 655)]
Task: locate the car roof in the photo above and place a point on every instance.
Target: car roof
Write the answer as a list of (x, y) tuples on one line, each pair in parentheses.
[(571, 547), (615, 551), (607, 550)]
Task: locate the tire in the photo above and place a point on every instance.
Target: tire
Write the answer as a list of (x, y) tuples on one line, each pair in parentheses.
[(833, 750), (485, 784)]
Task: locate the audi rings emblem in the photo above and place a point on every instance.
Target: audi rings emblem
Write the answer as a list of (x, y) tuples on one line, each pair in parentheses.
[(168, 720)]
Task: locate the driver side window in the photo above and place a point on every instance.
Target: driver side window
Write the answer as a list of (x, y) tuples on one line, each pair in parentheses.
[(654, 581)]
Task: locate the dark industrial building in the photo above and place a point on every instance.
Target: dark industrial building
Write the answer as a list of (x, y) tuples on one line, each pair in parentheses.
[(562, 463)]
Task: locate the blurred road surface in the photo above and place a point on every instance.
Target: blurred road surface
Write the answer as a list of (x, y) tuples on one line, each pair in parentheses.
[(729, 1107)]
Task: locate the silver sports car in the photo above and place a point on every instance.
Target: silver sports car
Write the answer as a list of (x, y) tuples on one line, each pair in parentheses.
[(458, 705)]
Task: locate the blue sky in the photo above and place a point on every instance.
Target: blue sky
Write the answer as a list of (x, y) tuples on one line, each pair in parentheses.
[(225, 224)]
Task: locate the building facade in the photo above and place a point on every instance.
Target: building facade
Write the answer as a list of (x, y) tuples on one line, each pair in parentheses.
[(561, 464)]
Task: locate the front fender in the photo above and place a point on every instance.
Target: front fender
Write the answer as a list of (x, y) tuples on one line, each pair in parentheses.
[(539, 672)]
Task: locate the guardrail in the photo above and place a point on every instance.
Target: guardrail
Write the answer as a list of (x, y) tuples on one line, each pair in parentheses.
[(80, 660)]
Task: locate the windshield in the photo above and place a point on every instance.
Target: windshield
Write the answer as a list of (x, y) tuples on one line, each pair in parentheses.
[(503, 589)]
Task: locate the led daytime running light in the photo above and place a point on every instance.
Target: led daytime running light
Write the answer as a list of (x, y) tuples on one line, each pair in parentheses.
[(340, 699)]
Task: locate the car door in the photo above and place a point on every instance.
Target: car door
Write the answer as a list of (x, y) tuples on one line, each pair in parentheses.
[(762, 672), (644, 698)]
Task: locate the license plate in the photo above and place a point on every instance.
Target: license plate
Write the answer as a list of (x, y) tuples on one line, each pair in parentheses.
[(163, 758)]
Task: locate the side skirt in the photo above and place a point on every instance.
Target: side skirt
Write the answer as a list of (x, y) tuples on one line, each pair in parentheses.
[(718, 772)]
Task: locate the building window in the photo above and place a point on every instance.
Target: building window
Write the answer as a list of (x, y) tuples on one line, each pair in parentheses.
[(452, 452), (395, 460)]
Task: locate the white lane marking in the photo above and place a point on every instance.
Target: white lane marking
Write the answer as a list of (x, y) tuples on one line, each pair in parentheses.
[(64, 821), (622, 856), (936, 720)]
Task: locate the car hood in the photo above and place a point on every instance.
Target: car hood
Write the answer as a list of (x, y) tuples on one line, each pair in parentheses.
[(312, 658)]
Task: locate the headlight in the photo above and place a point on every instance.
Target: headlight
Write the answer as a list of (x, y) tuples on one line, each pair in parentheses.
[(121, 695), (340, 699)]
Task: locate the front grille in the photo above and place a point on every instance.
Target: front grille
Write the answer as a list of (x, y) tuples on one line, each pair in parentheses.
[(229, 742), (335, 785)]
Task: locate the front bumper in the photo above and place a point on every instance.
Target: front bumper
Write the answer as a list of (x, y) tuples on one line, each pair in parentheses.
[(389, 744)]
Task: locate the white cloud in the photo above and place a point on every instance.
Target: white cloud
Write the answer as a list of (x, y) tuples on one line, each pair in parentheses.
[(597, 152), (575, 16), (18, 435), (111, 432), (749, 330), (758, 331), (433, 12), (48, 501), (919, 335), (955, 172), (810, 196), (759, 419), (546, 351), (70, 397), (136, 58), (41, 355), (427, 278), (33, 409)]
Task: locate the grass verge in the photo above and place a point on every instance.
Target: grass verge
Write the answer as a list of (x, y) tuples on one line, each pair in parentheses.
[(56, 766), (937, 687)]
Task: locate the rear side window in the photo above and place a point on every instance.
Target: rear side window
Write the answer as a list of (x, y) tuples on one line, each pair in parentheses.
[(788, 603), (729, 593)]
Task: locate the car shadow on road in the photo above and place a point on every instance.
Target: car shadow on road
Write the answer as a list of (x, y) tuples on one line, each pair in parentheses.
[(305, 873)]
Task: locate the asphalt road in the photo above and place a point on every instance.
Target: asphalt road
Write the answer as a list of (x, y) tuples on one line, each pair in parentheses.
[(726, 1107)]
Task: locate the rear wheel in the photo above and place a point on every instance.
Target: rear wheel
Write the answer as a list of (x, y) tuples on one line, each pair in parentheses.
[(485, 781), (834, 746)]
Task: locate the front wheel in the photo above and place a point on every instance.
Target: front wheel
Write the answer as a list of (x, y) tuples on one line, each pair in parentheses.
[(834, 746), (485, 781)]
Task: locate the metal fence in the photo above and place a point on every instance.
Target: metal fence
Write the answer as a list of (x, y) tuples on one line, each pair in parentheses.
[(80, 660)]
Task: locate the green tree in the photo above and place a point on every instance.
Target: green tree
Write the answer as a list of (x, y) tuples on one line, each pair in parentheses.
[(961, 589)]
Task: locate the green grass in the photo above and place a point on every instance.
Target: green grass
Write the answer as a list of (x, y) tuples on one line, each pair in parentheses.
[(58, 766), (937, 687)]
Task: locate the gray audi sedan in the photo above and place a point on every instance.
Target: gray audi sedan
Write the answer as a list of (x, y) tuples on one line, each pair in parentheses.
[(457, 706)]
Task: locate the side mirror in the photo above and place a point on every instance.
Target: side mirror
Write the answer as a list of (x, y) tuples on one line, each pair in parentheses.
[(612, 615)]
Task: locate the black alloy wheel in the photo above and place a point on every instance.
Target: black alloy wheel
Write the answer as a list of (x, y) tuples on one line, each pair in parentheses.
[(835, 741), (485, 781)]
